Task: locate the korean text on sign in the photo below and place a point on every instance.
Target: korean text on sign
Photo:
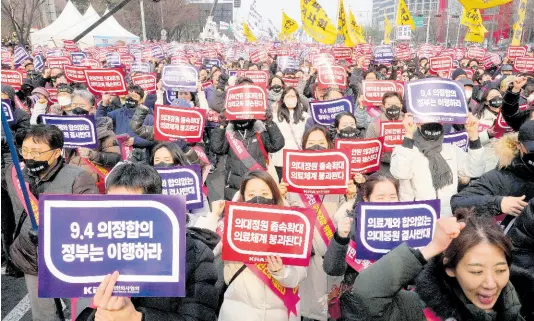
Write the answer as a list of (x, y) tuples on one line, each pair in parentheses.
[(183, 180), (79, 131), (245, 102), (175, 122), (366, 154)]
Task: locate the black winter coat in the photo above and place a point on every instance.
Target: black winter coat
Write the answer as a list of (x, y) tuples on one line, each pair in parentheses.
[(486, 193), (18, 128), (510, 110), (522, 235), (272, 139)]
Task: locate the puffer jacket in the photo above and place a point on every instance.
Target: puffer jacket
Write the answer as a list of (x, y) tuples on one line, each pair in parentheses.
[(61, 179), (510, 110), (379, 295), (411, 167), (108, 152), (121, 123), (272, 140), (522, 235), (292, 135), (373, 131)]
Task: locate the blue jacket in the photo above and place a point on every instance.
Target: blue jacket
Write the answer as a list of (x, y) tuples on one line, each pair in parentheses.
[(121, 123)]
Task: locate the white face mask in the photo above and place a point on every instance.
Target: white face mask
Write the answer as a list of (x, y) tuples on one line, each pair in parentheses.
[(64, 101), (305, 70), (530, 98), (290, 102), (468, 94)]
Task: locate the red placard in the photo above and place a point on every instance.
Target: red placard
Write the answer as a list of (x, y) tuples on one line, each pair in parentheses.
[(524, 64), (88, 62), (259, 77), (291, 81), (70, 46), (441, 63), (316, 172), (403, 55), (58, 62), (6, 55), (12, 78), (53, 94), (476, 53), (179, 60), (393, 133), (102, 81), (283, 52), (245, 102), (501, 127), (365, 153), (146, 54), (258, 55), (516, 51), (491, 59), (209, 53), (342, 53), (252, 232), (122, 50), (328, 76), (364, 49), (145, 81), (374, 90), (323, 59), (127, 60), (171, 123), (207, 84), (75, 73)]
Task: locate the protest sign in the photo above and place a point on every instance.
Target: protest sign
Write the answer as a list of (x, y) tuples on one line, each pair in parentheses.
[(524, 64), (209, 53), (380, 227), (501, 127), (176, 122), (363, 49), (252, 232), (38, 63), (179, 60), (332, 76), (126, 151), (516, 51), (491, 59), (365, 153), (79, 131), (245, 102), (57, 62), (287, 62), (139, 66), (259, 77), (436, 100), (316, 172), (404, 33), (146, 81), (442, 63), (12, 78), (185, 181), (179, 78), (106, 81), (291, 81), (122, 49), (20, 55), (113, 59), (324, 112), (77, 57), (342, 53), (258, 55), (70, 45), (209, 63), (460, 139), (127, 60), (157, 52), (393, 133), (82, 238), (323, 59), (6, 109), (476, 53), (53, 94), (75, 73), (374, 90), (383, 54), (88, 62)]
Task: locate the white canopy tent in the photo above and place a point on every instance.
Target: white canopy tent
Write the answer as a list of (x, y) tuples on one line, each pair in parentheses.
[(56, 31), (107, 33)]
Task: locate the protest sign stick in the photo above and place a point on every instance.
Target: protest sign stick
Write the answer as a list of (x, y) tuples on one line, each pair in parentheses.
[(14, 156)]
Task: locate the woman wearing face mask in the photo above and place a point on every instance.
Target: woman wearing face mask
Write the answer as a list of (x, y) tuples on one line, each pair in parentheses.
[(276, 87), (314, 288), (379, 187), (291, 120), (464, 273), (428, 169), (487, 112), (346, 126), (64, 100), (247, 297)]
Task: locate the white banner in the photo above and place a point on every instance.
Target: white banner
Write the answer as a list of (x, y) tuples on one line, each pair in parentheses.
[(404, 33)]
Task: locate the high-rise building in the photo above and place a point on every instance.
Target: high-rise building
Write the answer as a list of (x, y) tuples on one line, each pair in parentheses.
[(422, 8)]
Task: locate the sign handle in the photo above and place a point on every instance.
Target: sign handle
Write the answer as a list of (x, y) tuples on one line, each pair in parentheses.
[(14, 156)]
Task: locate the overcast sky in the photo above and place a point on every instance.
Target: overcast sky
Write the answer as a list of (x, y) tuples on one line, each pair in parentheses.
[(272, 9)]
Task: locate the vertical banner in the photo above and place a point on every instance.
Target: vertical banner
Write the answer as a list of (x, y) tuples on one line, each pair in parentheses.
[(179, 78), (245, 102), (381, 227), (82, 238), (324, 112), (185, 181), (253, 232), (79, 131), (171, 123), (365, 153)]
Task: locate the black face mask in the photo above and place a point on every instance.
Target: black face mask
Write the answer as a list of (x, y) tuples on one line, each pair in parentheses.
[(393, 112), (528, 159), (349, 132), (495, 102), (130, 102), (164, 165), (79, 111), (243, 124), (261, 200), (276, 88), (431, 131), (26, 90), (316, 147), (36, 167)]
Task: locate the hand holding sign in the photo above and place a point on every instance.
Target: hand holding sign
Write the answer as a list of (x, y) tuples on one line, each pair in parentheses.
[(447, 229), (113, 307), (409, 125), (471, 126), (345, 226), (275, 265)]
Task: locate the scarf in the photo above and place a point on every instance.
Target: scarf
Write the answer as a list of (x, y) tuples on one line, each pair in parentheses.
[(439, 169), (274, 96)]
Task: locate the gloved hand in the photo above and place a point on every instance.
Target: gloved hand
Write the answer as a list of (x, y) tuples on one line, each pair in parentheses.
[(223, 122), (34, 237), (268, 117), (223, 82)]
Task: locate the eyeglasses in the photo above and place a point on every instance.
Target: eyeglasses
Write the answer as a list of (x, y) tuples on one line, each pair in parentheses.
[(25, 153)]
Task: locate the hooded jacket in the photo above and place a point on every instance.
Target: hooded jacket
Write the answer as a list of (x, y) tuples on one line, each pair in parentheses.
[(121, 123)]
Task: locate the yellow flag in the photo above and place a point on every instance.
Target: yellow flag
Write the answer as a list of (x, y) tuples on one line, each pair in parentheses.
[(387, 31), (518, 26), (474, 35), (316, 23), (404, 18), (288, 25), (356, 30), (343, 27), (482, 4), (473, 19), (248, 33)]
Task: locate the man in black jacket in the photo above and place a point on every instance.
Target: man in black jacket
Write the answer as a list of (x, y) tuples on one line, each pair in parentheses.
[(513, 116), (201, 298)]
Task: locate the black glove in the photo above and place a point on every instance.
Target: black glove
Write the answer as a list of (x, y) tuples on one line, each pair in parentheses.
[(223, 82), (268, 116), (34, 237), (223, 122)]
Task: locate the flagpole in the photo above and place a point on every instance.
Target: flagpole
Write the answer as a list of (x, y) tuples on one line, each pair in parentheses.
[(458, 35)]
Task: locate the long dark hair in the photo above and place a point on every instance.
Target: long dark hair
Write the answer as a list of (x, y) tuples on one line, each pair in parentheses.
[(482, 105), (317, 128), (341, 115), (178, 156), (271, 81), (283, 111), (373, 179), (267, 179)]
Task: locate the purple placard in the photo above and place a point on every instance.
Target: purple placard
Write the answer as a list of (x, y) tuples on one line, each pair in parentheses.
[(138, 66), (85, 237), (38, 63), (383, 54), (460, 139), (183, 180), (436, 100), (79, 131), (380, 227), (157, 52), (136, 52), (324, 112), (113, 59), (6, 108), (20, 56), (287, 62), (210, 62), (179, 78), (77, 57)]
